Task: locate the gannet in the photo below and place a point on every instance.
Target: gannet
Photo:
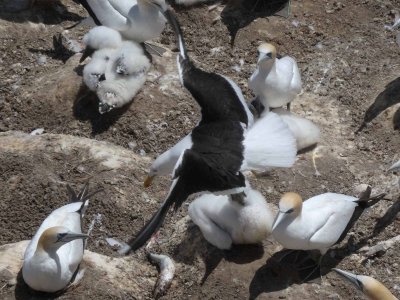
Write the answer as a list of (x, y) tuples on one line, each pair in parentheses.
[(319, 222), (53, 256), (125, 74), (307, 134), (225, 221), (371, 287), (218, 147), (275, 82), (136, 20), (100, 37)]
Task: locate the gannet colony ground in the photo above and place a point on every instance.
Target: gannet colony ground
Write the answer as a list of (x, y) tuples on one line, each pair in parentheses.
[(52, 134)]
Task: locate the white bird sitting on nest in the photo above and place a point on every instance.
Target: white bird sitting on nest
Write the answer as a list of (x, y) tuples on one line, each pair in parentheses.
[(307, 134), (319, 222), (125, 74), (371, 287), (52, 258), (225, 220), (276, 81), (136, 20)]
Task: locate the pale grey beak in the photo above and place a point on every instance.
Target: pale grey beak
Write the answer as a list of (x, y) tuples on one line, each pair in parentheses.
[(350, 277), (70, 236), (279, 217), (395, 167)]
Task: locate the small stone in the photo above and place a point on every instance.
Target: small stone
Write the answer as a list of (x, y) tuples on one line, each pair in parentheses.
[(142, 152), (42, 60), (132, 145)]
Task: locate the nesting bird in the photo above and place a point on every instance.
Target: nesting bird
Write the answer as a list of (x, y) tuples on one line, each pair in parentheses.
[(276, 81), (53, 256), (371, 287), (319, 222), (220, 145), (136, 20), (227, 220)]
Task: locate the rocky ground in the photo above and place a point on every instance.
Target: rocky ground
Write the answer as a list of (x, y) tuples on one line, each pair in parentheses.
[(346, 57)]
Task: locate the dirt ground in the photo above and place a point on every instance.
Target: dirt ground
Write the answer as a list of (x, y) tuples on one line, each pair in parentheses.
[(346, 57)]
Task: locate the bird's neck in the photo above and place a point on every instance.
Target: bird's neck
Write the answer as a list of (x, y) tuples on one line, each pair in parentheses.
[(145, 7), (265, 67)]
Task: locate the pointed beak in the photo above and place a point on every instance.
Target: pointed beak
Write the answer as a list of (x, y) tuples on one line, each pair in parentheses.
[(88, 52), (148, 181), (70, 236), (349, 276), (395, 167), (280, 216)]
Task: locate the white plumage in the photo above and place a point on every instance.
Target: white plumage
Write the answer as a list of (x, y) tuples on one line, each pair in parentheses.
[(94, 71), (268, 143), (101, 37), (138, 21), (55, 251), (275, 81), (318, 223), (305, 132), (125, 74), (224, 222)]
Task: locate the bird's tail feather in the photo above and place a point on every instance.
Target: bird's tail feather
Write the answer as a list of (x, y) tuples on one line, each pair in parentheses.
[(269, 143), (149, 229), (83, 196)]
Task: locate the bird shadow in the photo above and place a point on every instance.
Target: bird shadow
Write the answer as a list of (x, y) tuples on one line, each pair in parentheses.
[(52, 14), (86, 108), (396, 120), (238, 15), (282, 269), (193, 244), (387, 98), (24, 292)]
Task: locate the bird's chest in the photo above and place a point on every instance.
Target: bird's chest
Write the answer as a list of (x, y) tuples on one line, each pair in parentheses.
[(292, 235), (46, 274)]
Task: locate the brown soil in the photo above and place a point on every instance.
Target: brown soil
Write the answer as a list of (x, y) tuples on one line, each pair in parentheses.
[(346, 58)]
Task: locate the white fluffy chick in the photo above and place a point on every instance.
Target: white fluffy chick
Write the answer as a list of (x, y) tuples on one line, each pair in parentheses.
[(125, 75), (225, 221), (94, 71), (100, 37), (307, 134), (276, 81)]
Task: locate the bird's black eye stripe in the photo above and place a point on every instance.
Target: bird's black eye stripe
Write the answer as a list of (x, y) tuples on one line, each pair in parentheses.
[(289, 211), (60, 236)]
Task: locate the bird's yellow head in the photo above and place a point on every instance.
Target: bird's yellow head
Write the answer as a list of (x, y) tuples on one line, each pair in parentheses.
[(55, 237), (266, 51), (290, 202), (371, 287), (289, 205)]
